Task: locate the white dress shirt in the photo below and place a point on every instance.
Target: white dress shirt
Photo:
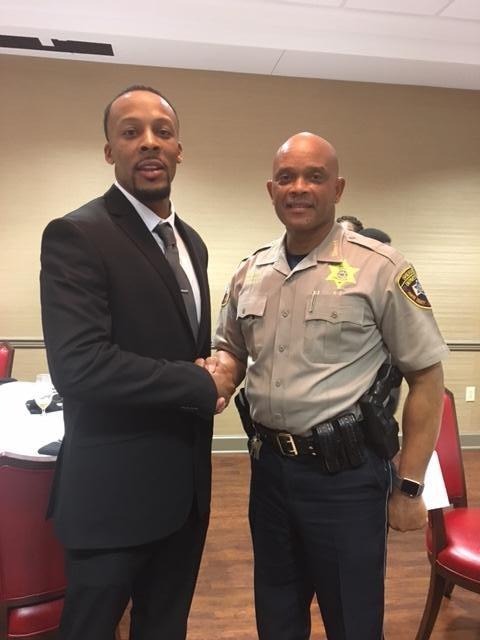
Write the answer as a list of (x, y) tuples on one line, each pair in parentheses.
[(151, 220)]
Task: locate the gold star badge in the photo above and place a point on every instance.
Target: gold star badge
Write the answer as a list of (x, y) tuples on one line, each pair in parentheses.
[(342, 274)]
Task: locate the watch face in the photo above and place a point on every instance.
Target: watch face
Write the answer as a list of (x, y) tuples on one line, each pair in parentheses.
[(410, 487)]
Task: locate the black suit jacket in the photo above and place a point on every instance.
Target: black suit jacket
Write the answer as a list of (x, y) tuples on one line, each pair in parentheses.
[(138, 412)]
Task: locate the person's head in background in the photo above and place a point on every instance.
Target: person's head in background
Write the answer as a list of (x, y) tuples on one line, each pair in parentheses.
[(376, 234), (351, 223)]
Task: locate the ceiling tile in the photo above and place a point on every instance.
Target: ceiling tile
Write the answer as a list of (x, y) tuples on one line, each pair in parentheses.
[(318, 3), (466, 9), (377, 69), (315, 3), (416, 7)]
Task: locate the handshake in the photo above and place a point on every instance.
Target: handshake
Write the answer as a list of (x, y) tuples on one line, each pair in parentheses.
[(227, 372)]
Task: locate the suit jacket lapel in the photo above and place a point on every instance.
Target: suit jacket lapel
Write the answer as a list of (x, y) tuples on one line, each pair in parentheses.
[(130, 222)]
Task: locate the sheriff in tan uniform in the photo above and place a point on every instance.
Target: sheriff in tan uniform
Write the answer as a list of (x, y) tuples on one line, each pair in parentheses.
[(315, 336), (311, 319)]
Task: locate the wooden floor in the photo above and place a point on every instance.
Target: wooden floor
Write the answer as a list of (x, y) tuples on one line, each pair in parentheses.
[(223, 604)]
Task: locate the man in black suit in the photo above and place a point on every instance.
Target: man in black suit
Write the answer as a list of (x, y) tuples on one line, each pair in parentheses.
[(132, 489)]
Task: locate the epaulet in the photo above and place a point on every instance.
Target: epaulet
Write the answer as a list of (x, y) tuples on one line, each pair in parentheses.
[(383, 249), (260, 249)]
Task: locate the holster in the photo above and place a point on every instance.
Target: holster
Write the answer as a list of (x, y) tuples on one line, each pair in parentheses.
[(243, 409), (380, 426)]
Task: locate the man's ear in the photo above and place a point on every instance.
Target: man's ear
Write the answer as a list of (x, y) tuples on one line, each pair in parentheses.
[(339, 187), (180, 153), (107, 150), (270, 188)]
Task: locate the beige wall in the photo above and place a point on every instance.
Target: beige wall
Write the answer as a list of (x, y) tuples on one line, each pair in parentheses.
[(411, 156)]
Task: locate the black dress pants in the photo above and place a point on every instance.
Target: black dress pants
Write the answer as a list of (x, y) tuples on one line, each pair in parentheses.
[(319, 534), (159, 577)]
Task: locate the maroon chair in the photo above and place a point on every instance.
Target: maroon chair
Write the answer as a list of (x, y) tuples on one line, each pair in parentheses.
[(6, 359), (32, 581), (453, 535)]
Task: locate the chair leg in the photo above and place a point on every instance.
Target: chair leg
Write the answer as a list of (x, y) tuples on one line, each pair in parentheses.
[(448, 589), (3, 620), (436, 590)]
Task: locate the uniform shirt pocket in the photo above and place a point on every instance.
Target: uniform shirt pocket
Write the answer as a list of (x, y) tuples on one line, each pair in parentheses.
[(333, 328), (250, 316)]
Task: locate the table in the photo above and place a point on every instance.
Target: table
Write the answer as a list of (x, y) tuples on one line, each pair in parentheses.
[(23, 433)]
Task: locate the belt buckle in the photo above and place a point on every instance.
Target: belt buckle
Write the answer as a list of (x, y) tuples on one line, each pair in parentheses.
[(284, 438)]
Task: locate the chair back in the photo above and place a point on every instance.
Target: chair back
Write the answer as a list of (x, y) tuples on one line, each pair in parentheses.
[(31, 558), (6, 359), (450, 454)]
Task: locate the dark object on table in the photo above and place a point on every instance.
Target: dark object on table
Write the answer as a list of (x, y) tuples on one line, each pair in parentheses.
[(5, 380), (51, 449), (55, 405)]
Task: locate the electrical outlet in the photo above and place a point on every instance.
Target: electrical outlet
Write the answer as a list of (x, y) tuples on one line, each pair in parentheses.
[(470, 394)]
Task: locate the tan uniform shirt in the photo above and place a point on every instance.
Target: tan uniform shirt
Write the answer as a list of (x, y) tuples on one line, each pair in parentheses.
[(314, 337)]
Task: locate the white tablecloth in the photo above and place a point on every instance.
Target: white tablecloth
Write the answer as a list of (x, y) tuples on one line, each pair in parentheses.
[(23, 433)]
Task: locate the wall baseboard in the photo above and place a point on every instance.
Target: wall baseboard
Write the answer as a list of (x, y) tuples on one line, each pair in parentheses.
[(238, 444), (38, 343), (229, 444)]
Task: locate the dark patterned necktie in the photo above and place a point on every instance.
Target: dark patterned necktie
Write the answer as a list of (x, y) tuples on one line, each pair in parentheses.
[(165, 232)]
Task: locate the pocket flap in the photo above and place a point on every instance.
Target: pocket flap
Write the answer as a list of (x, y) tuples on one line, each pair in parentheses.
[(334, 309), (249, 305)]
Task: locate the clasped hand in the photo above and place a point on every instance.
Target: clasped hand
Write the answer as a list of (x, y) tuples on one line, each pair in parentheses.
[(222, 377)]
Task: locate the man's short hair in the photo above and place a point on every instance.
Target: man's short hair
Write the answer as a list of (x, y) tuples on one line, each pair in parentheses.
[(355, 222), (135, 87), (376, 234)]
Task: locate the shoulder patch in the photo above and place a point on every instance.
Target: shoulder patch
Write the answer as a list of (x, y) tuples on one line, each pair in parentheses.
[(411, 288)]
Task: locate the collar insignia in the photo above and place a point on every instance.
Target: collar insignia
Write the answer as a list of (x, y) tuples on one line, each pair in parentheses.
[(342, 274)]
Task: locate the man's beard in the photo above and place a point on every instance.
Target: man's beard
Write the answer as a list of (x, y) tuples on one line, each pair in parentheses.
[(152, 195)]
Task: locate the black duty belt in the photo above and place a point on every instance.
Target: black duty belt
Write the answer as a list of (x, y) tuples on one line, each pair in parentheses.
[(286, 443), (338, 443)]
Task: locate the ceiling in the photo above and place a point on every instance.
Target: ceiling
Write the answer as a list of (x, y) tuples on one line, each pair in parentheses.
[(419, 42)]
